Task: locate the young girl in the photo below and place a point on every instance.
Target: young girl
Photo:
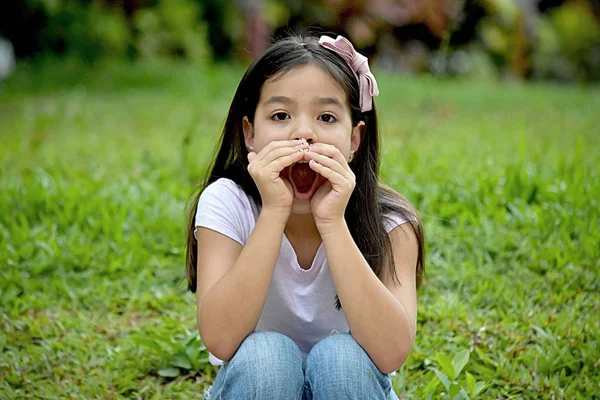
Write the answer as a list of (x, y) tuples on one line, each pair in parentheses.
[(305, 265)]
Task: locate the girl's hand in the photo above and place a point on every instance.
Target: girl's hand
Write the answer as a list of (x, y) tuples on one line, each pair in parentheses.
[(329, 202), (265, 168)]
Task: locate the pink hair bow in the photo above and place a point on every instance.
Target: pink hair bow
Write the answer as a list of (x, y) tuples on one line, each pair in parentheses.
[(359, 65)]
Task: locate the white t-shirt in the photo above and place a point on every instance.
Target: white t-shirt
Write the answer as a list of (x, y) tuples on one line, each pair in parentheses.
[(300, 303)]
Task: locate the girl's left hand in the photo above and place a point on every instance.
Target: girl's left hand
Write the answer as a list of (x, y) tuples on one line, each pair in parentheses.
[(329, 202)]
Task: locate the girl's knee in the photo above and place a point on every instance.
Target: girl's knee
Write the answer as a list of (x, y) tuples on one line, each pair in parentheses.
[(267, 364), (338, 349), (338, 366), (268, 347), (269, 358)]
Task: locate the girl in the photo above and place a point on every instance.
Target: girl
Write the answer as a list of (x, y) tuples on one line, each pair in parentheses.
[(305, 265)]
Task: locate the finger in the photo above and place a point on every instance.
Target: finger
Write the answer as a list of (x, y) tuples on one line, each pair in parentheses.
[(332, 164), (251, 156), (331, 152), (281, 163), (332, 176), (275, 144), (282, 152)]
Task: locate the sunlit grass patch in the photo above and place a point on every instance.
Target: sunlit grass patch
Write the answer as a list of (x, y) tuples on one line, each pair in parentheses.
[(96, 167)]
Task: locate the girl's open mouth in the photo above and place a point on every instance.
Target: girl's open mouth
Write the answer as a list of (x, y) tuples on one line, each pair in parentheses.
[(304, 180)]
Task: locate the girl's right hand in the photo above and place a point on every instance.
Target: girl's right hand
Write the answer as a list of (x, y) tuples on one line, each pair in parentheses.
[(265, 168)]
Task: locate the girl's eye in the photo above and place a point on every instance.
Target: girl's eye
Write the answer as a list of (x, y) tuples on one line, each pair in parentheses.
[(280, 116), (328, 118)]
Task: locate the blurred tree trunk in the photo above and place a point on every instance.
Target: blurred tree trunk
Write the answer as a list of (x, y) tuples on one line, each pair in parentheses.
[(256, 28)]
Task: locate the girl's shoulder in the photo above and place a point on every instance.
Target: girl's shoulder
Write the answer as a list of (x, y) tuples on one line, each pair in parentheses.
[(225, 207), (223, 187), (225, 195), (396, 209), (391, 220)]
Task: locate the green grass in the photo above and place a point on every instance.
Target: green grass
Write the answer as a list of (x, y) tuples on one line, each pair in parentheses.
[(96, 166)]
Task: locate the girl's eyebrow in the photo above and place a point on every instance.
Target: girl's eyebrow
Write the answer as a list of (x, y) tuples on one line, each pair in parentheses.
[(278, 99), (325, 101), (328, 101)]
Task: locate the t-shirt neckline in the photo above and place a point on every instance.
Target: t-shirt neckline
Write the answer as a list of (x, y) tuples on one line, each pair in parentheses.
[(316, 264)]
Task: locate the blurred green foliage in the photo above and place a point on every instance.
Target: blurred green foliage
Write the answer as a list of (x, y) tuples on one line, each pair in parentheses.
[(171, 28), (563, 43), (503, 36), (92, 30), (87, 29), (568, 44)]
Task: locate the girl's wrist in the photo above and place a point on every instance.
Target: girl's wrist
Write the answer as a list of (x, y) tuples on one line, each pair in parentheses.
[(275, 215), (330, 228)]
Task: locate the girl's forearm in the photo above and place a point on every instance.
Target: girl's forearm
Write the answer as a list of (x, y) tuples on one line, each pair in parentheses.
[(232, 307), (377, 319)]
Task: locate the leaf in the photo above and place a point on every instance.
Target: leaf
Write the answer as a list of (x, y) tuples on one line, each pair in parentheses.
[(485, 358), (462, 395), (181, 361), (454, 389), (177, 347), (460, 360), (479, 386), (540, 331), (142, 341), (471, 383), (169, 372), (192, 340), (532, 195), (442, 377), (446, 365), (431, 386), (193, 354), (204, 360)]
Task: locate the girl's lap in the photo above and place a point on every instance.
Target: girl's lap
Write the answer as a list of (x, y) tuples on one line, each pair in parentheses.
[(270, 365)]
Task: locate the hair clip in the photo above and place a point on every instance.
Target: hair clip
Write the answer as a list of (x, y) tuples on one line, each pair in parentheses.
[(359, 65)]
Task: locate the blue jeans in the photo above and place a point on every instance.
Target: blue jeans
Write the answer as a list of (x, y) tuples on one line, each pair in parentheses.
[(269, 365)]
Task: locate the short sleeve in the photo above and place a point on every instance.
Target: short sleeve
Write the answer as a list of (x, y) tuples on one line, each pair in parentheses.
[(392, 220), (225, 208)]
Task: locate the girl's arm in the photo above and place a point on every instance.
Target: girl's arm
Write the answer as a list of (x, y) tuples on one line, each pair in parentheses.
[(233, 282), (381, 315)]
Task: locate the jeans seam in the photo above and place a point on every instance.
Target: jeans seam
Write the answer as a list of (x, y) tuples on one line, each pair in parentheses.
[(219, 395)]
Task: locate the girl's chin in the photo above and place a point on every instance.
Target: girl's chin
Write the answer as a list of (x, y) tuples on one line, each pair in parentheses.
[(301, 207)]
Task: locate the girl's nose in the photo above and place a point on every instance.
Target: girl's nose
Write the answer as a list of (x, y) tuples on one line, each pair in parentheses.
[(304, 131)]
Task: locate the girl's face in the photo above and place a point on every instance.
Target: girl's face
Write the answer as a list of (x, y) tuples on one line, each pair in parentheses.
[(304, 103)]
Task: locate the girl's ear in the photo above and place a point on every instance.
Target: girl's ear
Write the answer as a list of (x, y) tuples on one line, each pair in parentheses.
[(248, 133), (356, 139)]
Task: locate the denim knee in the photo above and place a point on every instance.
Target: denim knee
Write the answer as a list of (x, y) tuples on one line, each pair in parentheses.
[(267, 365), (337, 367)]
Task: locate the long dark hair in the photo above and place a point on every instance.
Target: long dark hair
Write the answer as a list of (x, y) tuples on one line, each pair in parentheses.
[(371, 200)]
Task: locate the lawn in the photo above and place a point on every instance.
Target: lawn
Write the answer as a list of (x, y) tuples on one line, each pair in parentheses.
[(96, 166)]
